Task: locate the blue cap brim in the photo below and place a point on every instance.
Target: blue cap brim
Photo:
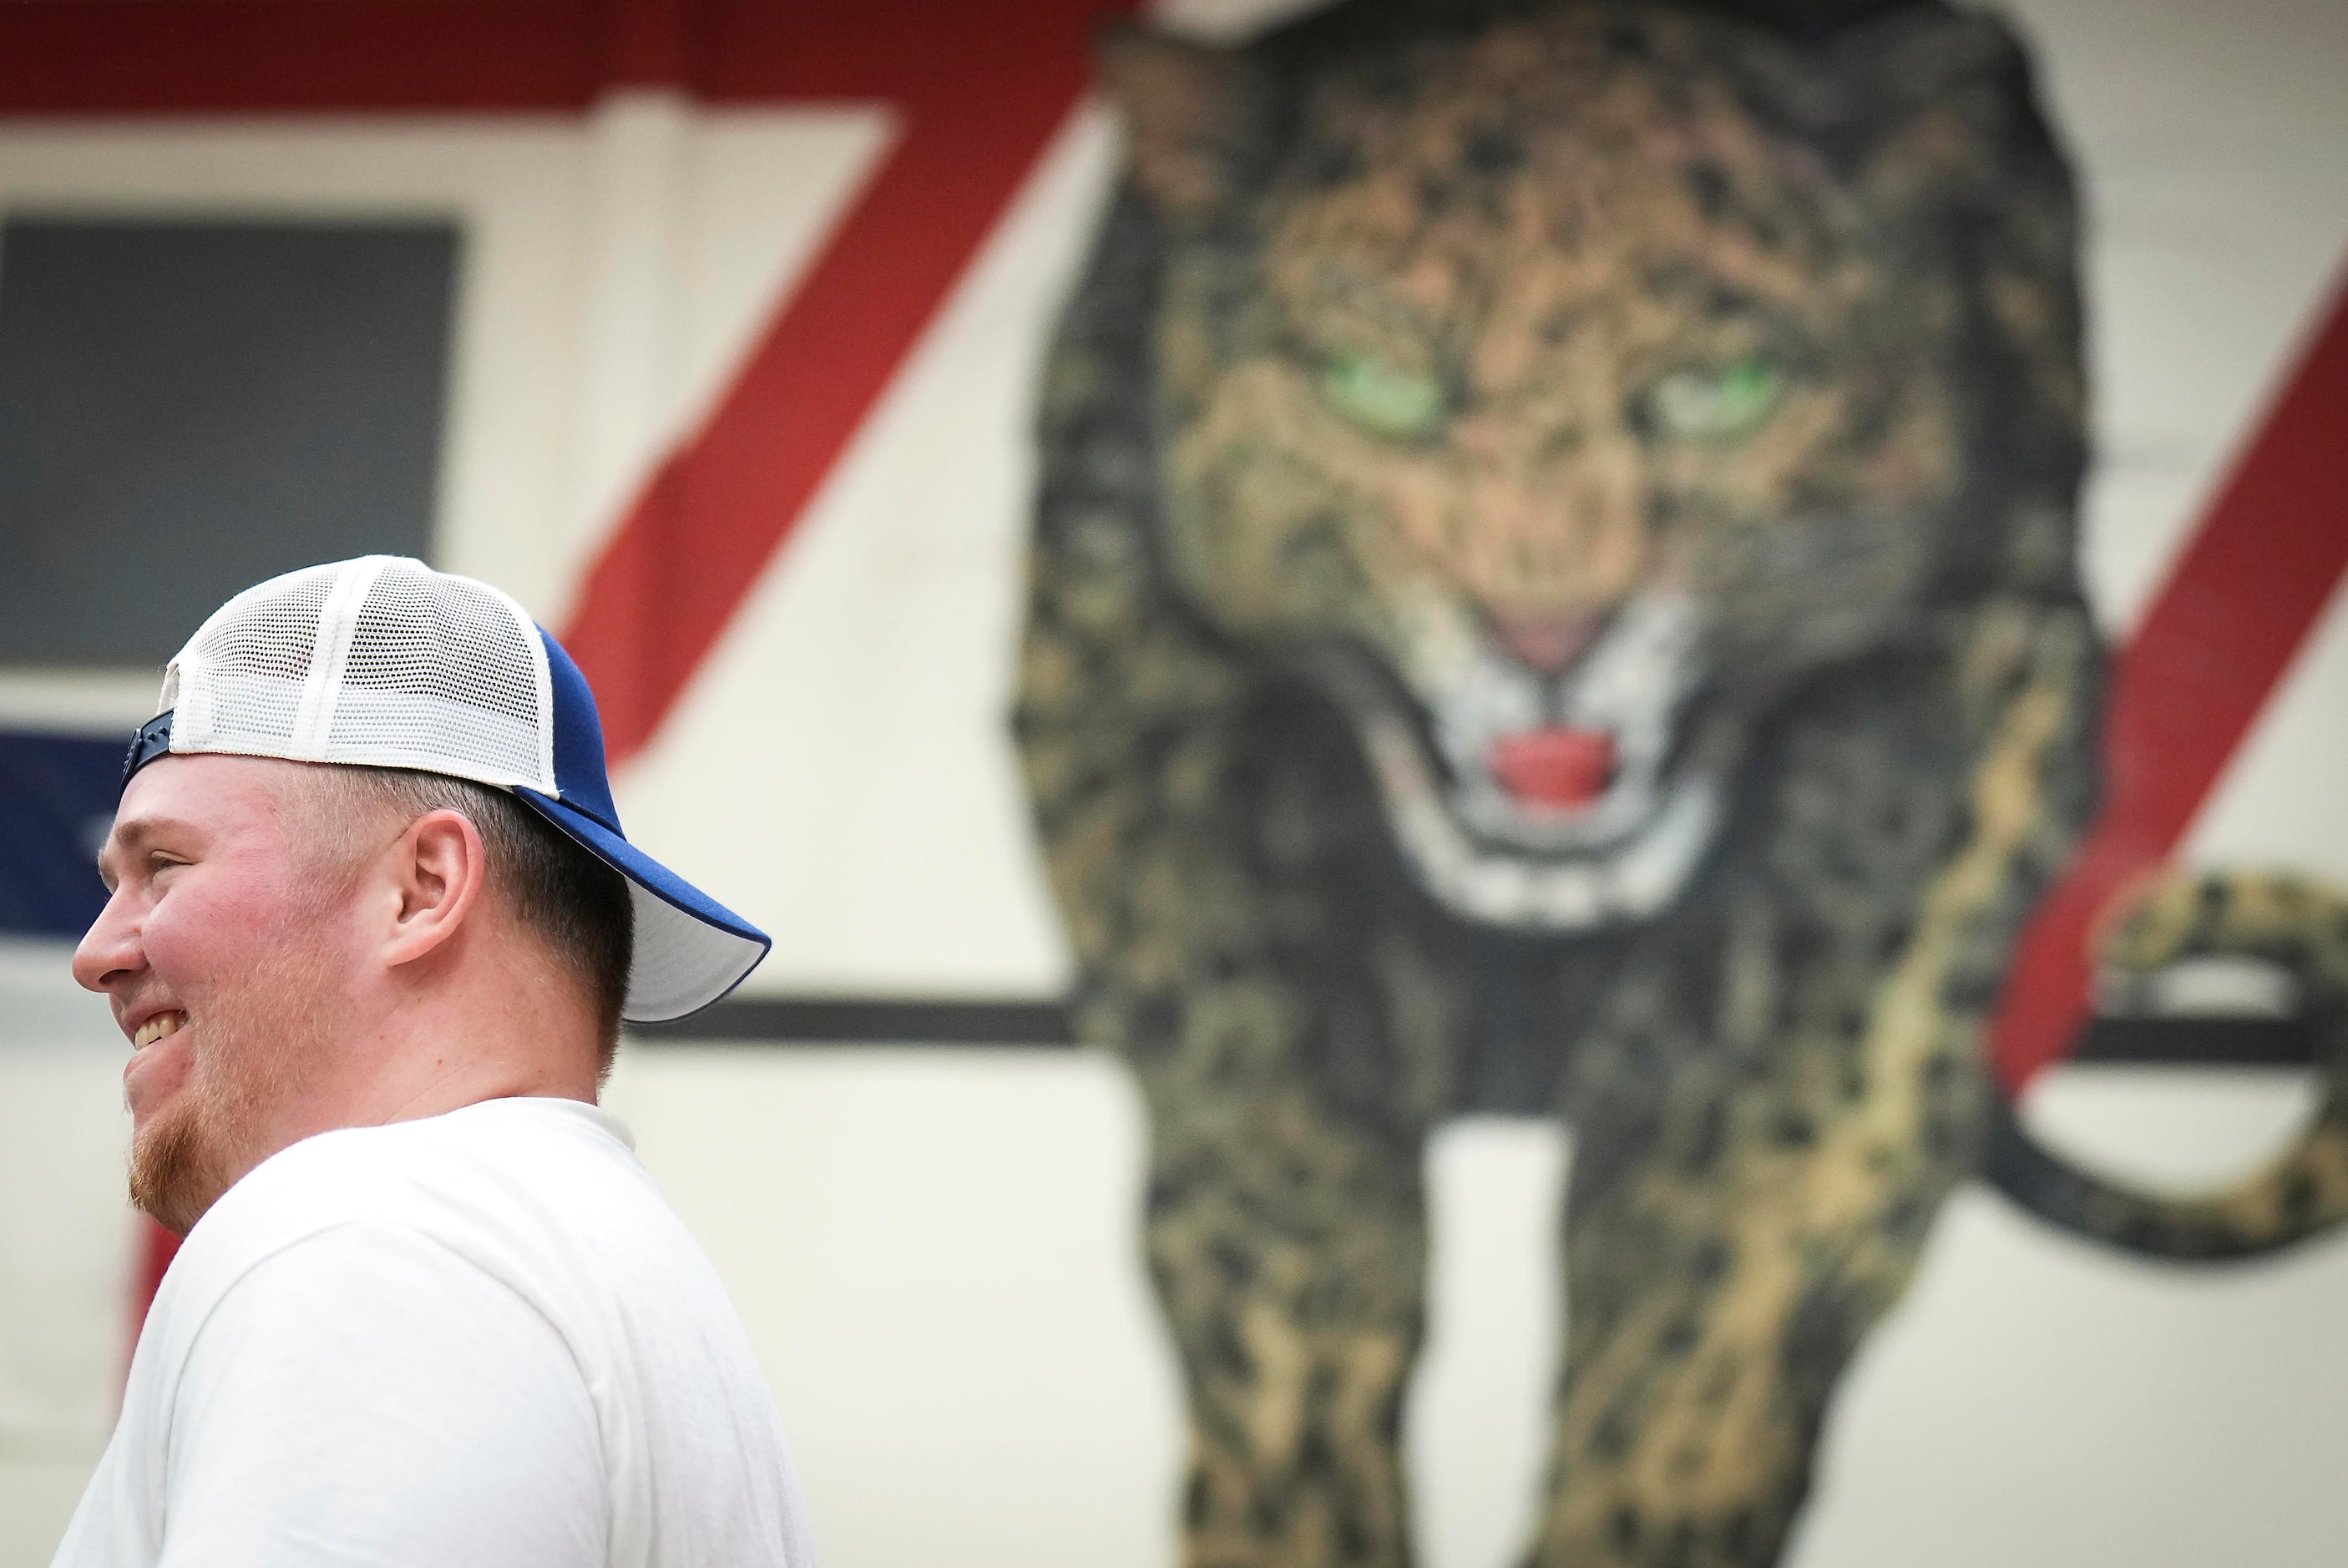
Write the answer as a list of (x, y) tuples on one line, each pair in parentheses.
[(690, 949)]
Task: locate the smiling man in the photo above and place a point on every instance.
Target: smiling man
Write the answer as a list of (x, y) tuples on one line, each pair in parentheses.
[(373, 930)]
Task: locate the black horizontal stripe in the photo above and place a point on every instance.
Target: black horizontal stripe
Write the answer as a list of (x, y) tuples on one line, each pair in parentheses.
[(869, 1021), (2196, 1041)]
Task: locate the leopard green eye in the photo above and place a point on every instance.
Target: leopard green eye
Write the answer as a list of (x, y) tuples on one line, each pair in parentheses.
[(1383, 398), (1716, 405)]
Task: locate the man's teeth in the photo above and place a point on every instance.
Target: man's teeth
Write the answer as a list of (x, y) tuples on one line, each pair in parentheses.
[(156, 1027)]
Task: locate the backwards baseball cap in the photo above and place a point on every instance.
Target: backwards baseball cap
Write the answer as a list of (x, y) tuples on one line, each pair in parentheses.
[(382, 661)]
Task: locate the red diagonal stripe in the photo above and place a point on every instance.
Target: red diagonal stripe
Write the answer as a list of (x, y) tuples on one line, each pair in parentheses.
[(2205, 658), (703, 529)]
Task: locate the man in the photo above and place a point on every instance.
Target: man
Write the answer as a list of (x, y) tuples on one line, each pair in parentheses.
[(373, 930)]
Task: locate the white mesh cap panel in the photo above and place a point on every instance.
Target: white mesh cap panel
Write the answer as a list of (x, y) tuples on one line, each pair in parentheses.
[(238, 684), (444, 674), (379, 661)]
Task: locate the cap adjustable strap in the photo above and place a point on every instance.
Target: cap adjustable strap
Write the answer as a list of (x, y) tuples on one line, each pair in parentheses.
[(152, 740)]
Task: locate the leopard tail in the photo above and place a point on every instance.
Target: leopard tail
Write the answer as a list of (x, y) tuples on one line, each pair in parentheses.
[(2299, 926)]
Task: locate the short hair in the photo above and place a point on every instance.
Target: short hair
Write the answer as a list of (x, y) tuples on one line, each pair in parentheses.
[(577, 905)]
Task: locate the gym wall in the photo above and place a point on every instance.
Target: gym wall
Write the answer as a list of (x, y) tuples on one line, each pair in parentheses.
[(715, 341)]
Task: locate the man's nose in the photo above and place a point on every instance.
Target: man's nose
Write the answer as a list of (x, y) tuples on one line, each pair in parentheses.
[(110, 951)]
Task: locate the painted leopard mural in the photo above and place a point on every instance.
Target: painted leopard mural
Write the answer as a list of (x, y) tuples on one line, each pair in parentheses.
[(1554, 585)]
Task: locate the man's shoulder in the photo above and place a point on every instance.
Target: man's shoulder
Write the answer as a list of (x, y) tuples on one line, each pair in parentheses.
[(493, 1181), (409, 1169), (351, 1175)]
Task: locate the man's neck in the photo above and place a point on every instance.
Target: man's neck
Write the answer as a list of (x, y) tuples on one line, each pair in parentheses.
[(495, 1022)]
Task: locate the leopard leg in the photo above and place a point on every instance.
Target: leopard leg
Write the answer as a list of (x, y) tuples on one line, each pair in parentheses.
[(1291, 1035), (1285, 1074), (1242, 945), (1288, 1248), (1720, 1283), (1785, 1085)]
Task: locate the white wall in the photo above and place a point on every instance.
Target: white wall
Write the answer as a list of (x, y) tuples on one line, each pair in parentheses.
[(934, 1251)]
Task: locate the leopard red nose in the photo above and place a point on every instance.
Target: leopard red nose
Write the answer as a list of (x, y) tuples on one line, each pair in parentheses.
[(1554, 766)]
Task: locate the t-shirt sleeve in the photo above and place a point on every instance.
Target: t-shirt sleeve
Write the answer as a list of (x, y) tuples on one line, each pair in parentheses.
[(369, 1396)]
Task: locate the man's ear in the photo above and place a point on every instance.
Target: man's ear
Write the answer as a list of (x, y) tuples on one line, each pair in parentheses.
[(439, 873), (1194, 121)]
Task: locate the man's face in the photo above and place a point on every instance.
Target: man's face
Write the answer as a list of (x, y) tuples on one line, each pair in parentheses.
[(219, 951)]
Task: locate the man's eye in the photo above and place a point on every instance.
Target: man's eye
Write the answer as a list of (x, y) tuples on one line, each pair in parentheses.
[(1383, 398), (1716, 405)]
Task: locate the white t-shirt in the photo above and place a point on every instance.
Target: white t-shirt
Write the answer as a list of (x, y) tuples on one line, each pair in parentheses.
[(480, 1338)]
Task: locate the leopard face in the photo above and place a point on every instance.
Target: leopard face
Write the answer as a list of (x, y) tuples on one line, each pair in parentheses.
[(1556, 413)]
